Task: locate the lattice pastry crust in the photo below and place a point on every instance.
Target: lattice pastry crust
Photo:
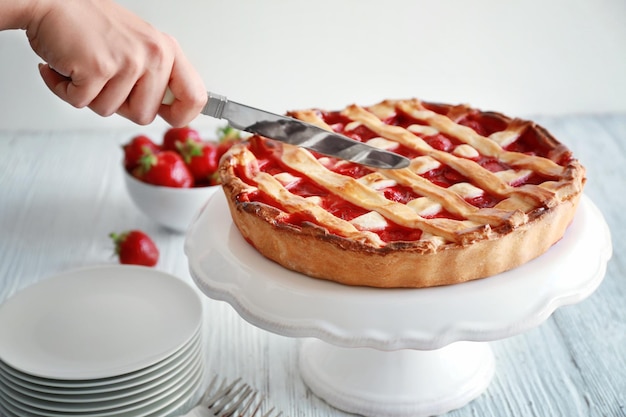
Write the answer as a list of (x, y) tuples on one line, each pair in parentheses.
[(484, 193)]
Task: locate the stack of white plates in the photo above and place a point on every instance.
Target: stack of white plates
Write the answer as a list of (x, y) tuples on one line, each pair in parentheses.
[(106, 341)]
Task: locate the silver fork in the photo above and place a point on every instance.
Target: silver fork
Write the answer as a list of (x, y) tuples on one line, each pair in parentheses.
[(269, 413), (223, 400), (233, 400)]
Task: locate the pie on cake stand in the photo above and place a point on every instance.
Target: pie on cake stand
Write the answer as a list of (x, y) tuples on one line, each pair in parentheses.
[(395, 352)]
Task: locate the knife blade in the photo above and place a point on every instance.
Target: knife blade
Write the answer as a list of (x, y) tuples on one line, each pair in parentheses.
[(296, 132)]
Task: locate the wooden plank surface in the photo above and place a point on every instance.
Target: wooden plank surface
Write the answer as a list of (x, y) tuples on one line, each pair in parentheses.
[(62, 193)]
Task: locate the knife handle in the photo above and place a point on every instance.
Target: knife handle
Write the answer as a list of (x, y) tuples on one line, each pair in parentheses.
[(168, 97), (214, 106)]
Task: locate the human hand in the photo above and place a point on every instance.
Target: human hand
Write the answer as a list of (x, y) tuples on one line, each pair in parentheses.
[(100, 55)]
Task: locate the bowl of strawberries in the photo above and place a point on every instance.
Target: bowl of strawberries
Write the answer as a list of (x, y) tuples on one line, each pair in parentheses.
[(171, 181)]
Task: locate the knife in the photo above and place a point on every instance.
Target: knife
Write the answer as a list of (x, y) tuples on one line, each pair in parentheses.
[(296, 132)]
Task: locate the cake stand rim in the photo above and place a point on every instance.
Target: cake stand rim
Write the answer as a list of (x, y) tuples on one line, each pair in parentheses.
[(235, 294)]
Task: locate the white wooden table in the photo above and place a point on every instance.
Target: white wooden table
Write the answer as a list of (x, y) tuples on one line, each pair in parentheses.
[(62, 193)]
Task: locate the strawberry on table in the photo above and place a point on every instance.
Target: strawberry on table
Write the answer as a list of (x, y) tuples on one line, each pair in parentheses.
[(176, 137), (165, 168), (134, 247), (136, 148)]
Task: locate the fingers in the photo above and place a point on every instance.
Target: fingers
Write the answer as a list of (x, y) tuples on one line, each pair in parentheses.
[(114, 95), (103, 98), (78, 94), (137, 94), (144, 100), (56, 82), (118, 64), (188, 89)]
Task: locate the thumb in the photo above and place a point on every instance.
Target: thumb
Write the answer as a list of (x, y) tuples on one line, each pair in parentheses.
[(56, 82)]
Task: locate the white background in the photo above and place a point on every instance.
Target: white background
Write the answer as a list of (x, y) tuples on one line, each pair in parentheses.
[(520, 57)]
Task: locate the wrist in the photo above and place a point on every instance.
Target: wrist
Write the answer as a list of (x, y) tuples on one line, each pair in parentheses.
[(20, 14)]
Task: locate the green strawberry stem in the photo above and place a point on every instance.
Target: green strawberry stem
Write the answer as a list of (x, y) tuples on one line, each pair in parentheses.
[(189, 149), (147, 161), (228, 133), (118, 239)]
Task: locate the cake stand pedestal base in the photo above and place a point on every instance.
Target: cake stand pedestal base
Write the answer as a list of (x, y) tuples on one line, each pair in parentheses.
[(397, 383)]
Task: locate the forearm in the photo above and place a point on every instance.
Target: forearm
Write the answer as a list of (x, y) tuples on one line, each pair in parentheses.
[(19, 14), (98, 54)]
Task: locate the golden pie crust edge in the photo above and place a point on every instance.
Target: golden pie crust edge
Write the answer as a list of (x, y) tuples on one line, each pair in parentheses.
[(320, 255), (312, 251)]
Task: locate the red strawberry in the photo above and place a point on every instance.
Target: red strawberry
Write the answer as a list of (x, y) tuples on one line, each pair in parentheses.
[(136, 148), (440, 142), (201, 159), (179, 136), (165, 168), (134, 247), (492, 165), (474, 125), (227, 138), (222, 148)]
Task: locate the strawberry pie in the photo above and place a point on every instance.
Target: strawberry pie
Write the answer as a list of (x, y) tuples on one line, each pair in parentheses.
[(484, 193)]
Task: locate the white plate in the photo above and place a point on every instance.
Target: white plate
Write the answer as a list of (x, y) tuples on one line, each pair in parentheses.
[(128, 403), (226, 267), (97, 322), (72, 400), (100, 386), (160, 405)]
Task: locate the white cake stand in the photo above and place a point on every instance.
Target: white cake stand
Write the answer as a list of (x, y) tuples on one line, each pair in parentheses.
[(396, 352)]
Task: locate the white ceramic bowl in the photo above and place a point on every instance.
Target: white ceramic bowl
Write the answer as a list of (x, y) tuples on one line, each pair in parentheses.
[(173, 208)]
